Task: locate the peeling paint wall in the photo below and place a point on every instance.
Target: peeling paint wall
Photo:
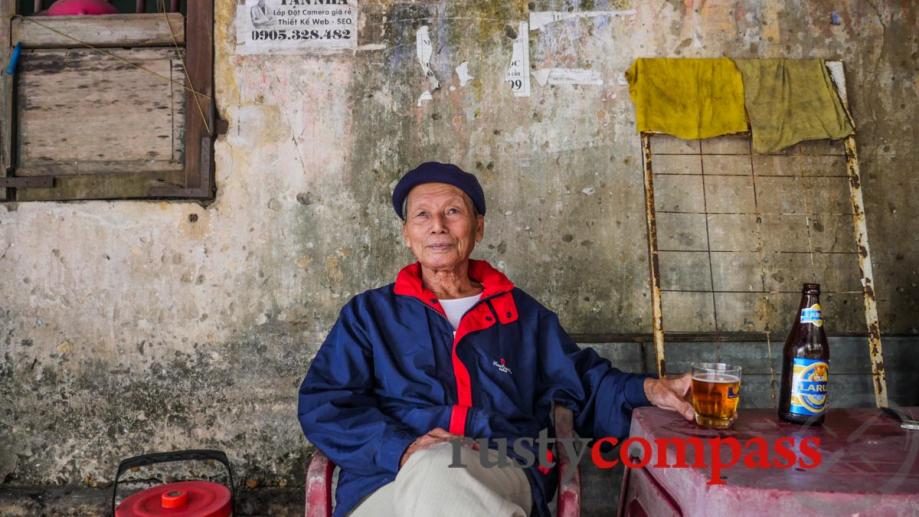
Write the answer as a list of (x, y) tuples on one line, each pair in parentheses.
[(138, 326)]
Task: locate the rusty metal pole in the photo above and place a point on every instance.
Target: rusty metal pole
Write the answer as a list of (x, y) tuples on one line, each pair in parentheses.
[(875, 350), (860, 227), (656, 312)]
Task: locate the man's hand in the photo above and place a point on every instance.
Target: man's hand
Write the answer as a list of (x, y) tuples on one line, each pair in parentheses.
[(671, 394), (434, 436)]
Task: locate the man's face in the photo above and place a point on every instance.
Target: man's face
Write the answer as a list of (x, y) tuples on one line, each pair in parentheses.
[(440, 226)]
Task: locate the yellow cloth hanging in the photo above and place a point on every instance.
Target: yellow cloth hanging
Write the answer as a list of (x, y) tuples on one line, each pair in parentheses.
[(687, 98), (791, 100)]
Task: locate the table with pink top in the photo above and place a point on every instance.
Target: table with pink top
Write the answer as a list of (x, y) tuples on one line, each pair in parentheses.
[(869, 466)]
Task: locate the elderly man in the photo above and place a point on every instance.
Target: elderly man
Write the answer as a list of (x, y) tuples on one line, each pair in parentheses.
[(453, 349)]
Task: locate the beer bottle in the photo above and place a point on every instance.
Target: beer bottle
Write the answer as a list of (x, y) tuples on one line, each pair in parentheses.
[(805, 364)]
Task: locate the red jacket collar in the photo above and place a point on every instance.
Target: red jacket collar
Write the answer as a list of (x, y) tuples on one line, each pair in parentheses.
[(408, 282)]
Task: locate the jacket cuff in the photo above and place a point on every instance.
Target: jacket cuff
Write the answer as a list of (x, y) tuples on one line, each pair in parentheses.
[(390, 451), (635, 391)]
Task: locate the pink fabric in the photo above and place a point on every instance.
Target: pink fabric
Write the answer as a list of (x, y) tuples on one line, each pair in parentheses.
[(78, 7)]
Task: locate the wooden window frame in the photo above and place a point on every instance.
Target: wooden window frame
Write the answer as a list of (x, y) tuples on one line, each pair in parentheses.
[(141, 30)]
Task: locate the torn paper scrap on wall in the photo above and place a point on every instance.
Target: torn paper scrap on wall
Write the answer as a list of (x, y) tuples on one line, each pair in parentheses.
[(425, 51), (546, 76), (518, 73), (539, 19), (424, 97), (462, 72)]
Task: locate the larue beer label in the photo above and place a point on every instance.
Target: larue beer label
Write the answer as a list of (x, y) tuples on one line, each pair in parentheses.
[(808, 386), (812, 314)]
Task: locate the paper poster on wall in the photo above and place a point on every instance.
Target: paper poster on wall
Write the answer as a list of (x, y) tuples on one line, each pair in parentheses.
[(518, 73), (292, 26)]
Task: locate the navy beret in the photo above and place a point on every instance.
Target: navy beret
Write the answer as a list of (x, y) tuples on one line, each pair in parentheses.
[(436, 172)]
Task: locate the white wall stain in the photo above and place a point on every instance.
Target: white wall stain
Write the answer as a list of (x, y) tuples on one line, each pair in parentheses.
[(546, 76), (462, 72), (539, 19), (694, 24), (424, 98)]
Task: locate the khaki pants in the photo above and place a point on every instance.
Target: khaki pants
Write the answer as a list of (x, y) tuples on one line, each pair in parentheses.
[(426, 486)]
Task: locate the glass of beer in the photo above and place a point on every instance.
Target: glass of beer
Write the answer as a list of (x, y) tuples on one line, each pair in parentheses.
[(715, 394)]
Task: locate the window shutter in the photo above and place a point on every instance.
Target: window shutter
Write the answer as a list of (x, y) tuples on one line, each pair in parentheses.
[(102, 107)]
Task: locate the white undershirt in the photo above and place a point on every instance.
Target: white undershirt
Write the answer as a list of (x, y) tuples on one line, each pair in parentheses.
[(456, 307)]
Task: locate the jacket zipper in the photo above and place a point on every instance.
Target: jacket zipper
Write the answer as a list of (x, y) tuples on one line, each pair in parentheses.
[(455, 343)]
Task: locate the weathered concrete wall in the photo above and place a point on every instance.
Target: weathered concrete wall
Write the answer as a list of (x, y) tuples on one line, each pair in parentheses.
[(130, 327)]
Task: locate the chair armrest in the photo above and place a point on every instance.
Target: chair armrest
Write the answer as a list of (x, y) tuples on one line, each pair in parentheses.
[(569, 487), (319, 486)]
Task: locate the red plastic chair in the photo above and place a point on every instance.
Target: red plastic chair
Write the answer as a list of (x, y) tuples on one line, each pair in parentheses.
[(319, 475)]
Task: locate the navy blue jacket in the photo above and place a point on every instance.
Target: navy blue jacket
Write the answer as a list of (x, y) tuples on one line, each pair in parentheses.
[(392, 369)]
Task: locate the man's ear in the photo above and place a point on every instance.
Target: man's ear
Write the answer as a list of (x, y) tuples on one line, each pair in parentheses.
[(479, 228), (405, 236)]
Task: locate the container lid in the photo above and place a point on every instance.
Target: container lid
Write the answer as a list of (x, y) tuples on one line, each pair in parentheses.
[(78, 7), (182, 499)]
